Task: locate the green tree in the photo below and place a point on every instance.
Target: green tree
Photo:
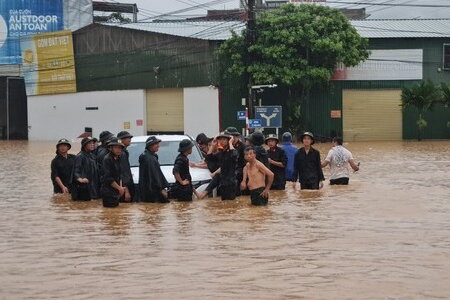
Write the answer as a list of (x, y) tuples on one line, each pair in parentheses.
[(297, 46), (421, 96), (117, 17), (446, 97)]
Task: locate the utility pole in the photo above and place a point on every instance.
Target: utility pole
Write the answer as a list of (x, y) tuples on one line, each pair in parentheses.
[(251, 38)]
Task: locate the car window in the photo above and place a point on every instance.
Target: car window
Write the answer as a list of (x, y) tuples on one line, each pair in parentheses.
[(167, 153)]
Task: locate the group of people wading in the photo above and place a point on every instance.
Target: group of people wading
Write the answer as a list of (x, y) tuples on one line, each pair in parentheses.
[(239, 166)]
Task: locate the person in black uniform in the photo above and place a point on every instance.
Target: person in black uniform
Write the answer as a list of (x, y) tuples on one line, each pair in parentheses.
[(307, 165), (240, 147), (203, 143), (112, 189), (85, 178), (256, 140), (152, 182), (277, 162), (125, 138), (183, 188), (62, 167), (102, 150), (227, 157)]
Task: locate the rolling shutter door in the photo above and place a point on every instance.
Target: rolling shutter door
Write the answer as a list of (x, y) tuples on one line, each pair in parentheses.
[(165, 111), (372, 115)]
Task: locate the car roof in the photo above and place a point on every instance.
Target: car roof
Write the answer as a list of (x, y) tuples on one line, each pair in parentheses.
[(163, 137)]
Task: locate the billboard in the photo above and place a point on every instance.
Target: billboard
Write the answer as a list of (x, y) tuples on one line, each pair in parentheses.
[(48, 63), (399, 64)]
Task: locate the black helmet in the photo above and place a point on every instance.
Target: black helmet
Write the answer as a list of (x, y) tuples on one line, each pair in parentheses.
[(185, 145), (115, 142), (287, 137), (63, 142), (307, 133), (124, 135), (202, 139), (105, 136), (151, 140), (232, 131), (257, 138), (86, 140)]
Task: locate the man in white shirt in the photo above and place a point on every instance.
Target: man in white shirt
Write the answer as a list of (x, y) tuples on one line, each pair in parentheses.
[(338, 158)]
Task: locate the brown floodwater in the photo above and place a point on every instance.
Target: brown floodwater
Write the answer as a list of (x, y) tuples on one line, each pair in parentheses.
[(385, 236)]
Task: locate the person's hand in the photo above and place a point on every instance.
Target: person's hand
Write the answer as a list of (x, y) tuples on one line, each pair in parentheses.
[(127, 196), (185, 182), (121, 191), (164, 194), (212, 174), (83, 180), (65, 190), (270, 161), (192, 164), (230, 144), (321, 185), (265, 193), (243, 186)]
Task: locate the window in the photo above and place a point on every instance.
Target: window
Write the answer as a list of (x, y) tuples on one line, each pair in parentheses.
[(446, 55)]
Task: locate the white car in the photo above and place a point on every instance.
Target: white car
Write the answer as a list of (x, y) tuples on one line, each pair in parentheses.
[(167, 154)]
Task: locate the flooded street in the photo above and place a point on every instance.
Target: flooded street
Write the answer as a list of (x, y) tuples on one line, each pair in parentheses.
[(385, 236)]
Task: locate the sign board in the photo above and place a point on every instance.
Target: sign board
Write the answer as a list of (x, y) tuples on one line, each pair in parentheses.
[(20, 18), (241, 115), (48, 63), (271, 116), (255, 123), (139, 122), (126, 125), (335, 114), (398, 64)]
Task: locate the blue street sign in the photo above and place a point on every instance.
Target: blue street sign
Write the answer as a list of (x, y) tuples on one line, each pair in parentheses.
[(255, 123), (241, 115), (271, 116)]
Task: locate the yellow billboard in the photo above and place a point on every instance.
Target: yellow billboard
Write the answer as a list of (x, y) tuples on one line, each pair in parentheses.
[(48, 63)]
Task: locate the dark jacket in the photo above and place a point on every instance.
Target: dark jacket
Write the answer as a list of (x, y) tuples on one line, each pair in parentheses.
[(307, 167), (100, 154), (261, 155), (151, 179), (181, 166), (240, 147), (62, 167), (127, 177), (228, 160), (111, 172), (277, 154), (85, 166)]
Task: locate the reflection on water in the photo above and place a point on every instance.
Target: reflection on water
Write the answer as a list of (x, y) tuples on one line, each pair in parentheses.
[(385, 236)]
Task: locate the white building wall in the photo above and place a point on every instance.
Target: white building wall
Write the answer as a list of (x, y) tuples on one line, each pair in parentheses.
[(201, 111), (51, 117)]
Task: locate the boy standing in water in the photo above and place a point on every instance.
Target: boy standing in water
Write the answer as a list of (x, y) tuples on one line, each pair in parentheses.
[(338, 158), (183, 187), (113, 190), (277, 162), (307, 165), (259, 178)]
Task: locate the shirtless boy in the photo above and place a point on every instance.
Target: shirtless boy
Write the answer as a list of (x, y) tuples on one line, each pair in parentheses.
[(257, 178)]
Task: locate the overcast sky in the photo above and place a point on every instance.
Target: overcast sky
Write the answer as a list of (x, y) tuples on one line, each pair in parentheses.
[(155, 7)]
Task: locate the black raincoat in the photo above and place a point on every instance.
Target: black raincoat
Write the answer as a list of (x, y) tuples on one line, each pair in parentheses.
[(100, 154), (85, 166), (151, 179), (111, 172), (308, 169), (261, 155), (127, 177), (62, 167), (279, 181)]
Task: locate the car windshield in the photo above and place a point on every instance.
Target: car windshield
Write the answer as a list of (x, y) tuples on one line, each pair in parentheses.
[(167, 153)]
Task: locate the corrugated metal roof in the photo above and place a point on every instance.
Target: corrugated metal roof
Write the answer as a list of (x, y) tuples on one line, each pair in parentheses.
[(206, 30), (221, 30), (420, 28)]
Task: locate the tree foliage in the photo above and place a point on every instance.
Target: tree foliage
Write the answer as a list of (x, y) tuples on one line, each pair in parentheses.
[(421, 96), (296, 46)]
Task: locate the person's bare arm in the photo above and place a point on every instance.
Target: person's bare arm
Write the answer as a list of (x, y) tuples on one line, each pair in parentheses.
[(269, 178), (325, 163), (215, 172), (120, 189), (244, 179), (354, 166)]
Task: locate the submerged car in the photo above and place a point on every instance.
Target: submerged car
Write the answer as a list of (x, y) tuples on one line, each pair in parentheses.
[(167, 154)]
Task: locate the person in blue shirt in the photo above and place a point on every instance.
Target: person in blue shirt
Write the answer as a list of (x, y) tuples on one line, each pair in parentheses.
[(290, 151)]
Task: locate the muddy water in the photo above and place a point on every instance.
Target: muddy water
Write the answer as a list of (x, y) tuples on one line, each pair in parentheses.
[(386, 236)]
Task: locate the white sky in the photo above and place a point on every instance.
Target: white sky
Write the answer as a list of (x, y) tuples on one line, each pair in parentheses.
[(155, 7)]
